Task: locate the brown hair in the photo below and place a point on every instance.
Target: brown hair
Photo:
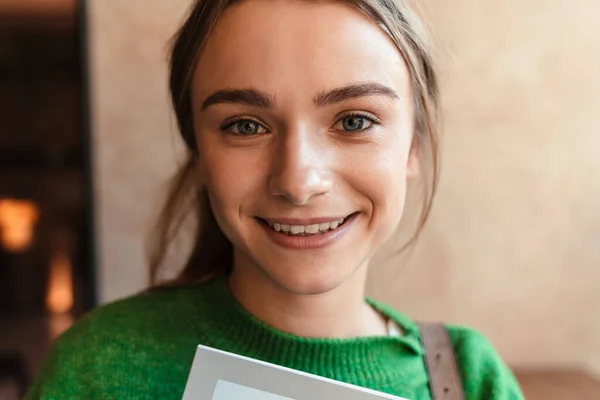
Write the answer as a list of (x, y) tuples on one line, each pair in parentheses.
[(212, 253)]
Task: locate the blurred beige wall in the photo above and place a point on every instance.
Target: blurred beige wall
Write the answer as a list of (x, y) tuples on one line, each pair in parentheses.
[(513, 246), (134, 133)]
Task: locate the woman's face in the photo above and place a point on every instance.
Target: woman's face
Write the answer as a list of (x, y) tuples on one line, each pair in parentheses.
[(303, 117)]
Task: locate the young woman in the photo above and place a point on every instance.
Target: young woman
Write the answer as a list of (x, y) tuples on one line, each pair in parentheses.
[(304, 121)]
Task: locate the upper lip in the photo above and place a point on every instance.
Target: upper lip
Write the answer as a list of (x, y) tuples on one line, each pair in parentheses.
[(305, 221)]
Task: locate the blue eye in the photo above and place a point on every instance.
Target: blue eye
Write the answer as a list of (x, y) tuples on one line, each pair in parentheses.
[(355, 123), (245, 127)]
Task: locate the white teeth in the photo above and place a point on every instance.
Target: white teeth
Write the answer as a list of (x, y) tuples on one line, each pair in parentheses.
[(312, 228), (308, 229), (296, 229), (324, 227)]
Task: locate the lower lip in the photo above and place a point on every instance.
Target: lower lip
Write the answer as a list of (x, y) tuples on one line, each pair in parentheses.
[(316, 241)]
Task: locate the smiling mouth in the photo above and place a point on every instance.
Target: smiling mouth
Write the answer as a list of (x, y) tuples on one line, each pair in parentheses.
[(306, 230)]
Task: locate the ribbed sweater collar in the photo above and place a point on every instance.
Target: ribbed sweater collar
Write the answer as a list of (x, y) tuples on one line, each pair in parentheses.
[(359, 360)]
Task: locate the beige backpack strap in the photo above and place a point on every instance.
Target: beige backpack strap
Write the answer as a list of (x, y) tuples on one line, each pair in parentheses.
[(444, 379)]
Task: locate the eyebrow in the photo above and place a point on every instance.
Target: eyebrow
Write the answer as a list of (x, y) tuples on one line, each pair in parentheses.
[(353, 91), (250, 97), (259, 99)]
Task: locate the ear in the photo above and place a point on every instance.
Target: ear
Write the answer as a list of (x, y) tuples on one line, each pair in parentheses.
[(413, 165)]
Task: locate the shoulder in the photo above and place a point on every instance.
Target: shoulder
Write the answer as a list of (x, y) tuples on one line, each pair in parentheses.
[(148, 316), (484, 374), (129, 318), (121, 339)]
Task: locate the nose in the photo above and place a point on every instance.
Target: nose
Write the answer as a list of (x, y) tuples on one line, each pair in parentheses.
[(300, 170)]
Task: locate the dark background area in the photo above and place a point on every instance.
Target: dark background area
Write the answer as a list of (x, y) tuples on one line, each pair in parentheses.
[(47, 282)]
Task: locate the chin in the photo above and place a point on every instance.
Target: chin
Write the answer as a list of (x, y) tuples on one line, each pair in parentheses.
[(310, 288), (307, 280)]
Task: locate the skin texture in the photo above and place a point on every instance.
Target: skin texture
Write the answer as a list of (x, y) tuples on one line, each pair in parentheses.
[(300, 160)]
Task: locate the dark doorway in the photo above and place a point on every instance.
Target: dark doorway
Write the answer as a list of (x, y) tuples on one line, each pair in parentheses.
[(46, 226)]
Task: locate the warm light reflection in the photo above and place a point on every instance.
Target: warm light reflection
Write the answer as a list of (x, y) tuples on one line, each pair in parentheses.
[(60, 285), (17, 222)]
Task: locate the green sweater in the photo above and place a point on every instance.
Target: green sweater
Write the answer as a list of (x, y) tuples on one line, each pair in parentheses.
[(143, 347)]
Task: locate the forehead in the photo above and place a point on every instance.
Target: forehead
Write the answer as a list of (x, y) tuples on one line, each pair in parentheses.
[(292, 46)]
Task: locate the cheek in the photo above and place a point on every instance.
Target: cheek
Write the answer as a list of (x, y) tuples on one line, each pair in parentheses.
[(389, 189), (226, 187), (231, 177), (381, 177)]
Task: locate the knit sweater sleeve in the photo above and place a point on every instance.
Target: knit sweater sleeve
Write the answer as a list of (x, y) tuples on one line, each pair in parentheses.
[(484, 375)]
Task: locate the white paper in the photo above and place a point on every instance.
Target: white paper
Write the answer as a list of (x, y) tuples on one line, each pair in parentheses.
[(232, 391), (219, 375)]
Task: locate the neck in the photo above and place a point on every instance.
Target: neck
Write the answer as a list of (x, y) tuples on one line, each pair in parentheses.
[(341, 312)]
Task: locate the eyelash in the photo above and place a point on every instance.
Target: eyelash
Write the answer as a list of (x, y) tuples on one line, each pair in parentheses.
[(236, 120), (359, 114), (355, 114)]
